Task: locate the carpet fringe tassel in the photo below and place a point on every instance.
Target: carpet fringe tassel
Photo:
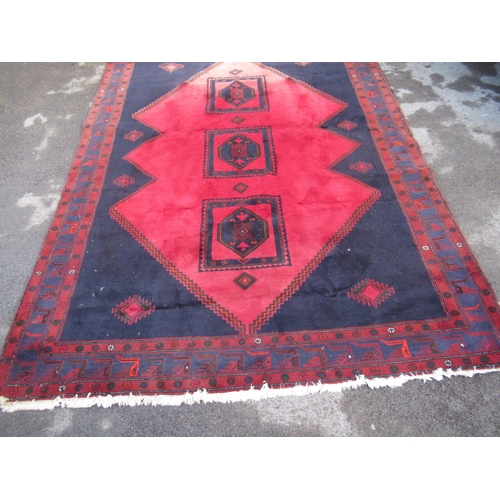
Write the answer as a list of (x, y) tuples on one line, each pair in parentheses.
[(252, 394)]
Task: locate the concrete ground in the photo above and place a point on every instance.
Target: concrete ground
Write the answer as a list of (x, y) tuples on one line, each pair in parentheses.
[(453, 109)]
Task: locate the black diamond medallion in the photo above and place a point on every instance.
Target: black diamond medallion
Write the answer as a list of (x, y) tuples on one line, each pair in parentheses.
[(239, 150), (240, 187), (237, 93), (243, 231), (245, 280)]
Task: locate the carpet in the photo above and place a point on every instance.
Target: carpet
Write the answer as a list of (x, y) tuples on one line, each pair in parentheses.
[(242, 230)]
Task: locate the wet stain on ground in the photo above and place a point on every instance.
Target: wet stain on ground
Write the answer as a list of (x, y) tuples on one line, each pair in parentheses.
[(469, 83), (471, 104), (437, 79), (482, 68)]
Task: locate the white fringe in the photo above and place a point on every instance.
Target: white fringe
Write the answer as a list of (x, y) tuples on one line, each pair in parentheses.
[(252, 394)]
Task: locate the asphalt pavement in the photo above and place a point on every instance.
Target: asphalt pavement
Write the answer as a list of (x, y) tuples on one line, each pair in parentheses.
[(453, 110)]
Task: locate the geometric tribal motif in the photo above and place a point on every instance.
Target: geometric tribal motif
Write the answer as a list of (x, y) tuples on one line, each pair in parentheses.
[(124, 181), (242, 95), (133, 135), (250, 234), (361, 166), (347, 125), (370, 292), (240, 187), (237, 93), (133, 309), (245, 280), (239, 152), (171, 67)]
